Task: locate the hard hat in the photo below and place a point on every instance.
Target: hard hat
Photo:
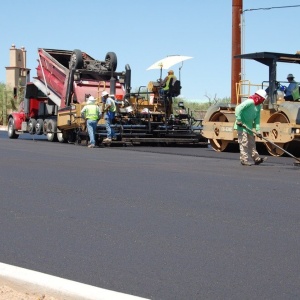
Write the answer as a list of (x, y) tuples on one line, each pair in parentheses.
[(171, 72), (104, 93), (290, 76), (145, 111), (261, 93), (91, 99)]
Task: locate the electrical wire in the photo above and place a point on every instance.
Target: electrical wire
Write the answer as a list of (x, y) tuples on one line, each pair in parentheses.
[(268, 8)]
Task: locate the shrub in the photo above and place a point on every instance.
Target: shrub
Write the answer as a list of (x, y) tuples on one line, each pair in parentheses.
[(7, 103)]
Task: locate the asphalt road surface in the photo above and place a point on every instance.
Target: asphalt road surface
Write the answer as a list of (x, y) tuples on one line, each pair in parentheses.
[(160, 223)]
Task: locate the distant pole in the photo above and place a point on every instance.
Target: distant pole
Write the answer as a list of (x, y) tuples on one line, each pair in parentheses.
[(1, 106), (237, 8), (4, 106)]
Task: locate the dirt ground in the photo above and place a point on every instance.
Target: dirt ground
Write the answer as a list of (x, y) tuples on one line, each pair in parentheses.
[(10, 290)]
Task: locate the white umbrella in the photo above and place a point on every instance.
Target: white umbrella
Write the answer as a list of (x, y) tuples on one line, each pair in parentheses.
[(168, 62)]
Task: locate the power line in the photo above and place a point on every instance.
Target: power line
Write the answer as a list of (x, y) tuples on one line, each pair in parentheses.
[(243, 26), (268, 8)]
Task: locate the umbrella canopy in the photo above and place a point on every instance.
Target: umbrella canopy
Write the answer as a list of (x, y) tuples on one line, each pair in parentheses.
[(168, 62)]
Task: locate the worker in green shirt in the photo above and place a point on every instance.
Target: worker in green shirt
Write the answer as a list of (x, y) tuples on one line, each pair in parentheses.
[(248, 116)]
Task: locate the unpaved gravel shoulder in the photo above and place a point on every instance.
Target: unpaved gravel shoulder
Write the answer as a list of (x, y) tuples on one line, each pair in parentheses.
[(14, 290)]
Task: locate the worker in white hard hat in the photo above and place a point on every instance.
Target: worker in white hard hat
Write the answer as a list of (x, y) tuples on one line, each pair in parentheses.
[(91, 113), (248, 116), (289, 91), (109, 110)]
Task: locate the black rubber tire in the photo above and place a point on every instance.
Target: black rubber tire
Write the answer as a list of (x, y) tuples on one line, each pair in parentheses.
[(39, 127), (45, 126), (76, 60), (71, 136), (11, 132), (52, 126), (49, 129), (111, 61), (61, 136), (51, 137), (31, 126)]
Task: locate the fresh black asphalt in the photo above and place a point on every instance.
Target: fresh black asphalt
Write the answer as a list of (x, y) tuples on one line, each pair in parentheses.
[(160, 223)]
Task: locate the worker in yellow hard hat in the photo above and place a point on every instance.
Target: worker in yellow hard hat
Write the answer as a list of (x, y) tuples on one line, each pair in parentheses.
[(164, 91), (166, 82)]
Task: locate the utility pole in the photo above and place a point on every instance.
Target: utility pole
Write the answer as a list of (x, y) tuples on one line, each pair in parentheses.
[(237, 8)]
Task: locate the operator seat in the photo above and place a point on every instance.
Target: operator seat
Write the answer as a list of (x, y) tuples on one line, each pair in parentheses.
[(174, 89)]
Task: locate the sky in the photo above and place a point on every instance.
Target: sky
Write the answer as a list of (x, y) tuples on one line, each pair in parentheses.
[(142, 32)]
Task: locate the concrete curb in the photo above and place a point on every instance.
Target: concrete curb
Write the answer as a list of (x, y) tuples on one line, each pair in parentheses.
[(60, 286)]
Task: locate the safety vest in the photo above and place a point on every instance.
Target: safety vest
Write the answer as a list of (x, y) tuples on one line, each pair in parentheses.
[(92, 112), (168, 81), (112, 103)]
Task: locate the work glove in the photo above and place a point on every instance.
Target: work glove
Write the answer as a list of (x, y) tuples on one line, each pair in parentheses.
[(239, 123), (259, 135), (282, 88)]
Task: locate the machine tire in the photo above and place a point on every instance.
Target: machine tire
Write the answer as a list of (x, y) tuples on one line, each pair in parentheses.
[(11, 132), (277, 118), (71, 136), (76, 61), (218, 145), (52, 137), (60, 136), (111, 61), (51, 130), (39, 127), (32, 126)]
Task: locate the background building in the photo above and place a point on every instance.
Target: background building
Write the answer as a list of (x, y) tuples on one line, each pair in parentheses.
[(16, 73)]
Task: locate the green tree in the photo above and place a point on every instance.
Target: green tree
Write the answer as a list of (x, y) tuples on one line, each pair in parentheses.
[(7, 103), (198, 109)]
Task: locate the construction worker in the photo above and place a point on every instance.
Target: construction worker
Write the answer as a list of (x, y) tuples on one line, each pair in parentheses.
[(109, 110), (91, 113), (291, 87), (248, 116), (164, 91), (166, 82)]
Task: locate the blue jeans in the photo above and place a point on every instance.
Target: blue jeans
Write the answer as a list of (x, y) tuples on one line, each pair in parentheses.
[(110, 132), (162, 92), (91, 127)]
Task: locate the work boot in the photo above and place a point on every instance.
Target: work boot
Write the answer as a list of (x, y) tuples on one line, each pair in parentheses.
[(245, 163), (91, 146), (107, 140), (260, 160)]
